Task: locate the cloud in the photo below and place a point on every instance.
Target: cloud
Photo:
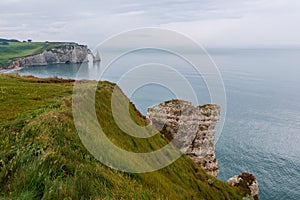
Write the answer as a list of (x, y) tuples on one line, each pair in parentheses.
[(213, 22)]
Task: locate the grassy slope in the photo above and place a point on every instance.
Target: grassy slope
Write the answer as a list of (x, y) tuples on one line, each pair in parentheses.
[(19, 49), (41, 156)]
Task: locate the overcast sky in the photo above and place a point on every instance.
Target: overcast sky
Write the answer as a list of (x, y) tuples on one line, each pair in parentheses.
[(216, 23)]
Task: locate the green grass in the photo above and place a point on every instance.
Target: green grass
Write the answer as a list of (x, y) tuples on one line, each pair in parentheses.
[(42, 157), (16, 50)]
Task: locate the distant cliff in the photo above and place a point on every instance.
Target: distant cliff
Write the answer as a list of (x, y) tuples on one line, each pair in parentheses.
[(191, 129), (66, 53)]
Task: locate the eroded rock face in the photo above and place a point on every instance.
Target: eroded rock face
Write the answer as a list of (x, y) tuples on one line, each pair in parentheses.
[(190, 128), (246, 180), (68, 53)]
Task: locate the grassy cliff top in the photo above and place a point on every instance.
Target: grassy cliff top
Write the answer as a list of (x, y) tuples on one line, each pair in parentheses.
[(10, 49), (42, 157)]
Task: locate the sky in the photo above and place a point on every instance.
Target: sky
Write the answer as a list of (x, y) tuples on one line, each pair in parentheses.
[(212, 23)]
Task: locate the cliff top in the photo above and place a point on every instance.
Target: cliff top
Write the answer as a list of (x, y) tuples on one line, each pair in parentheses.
[(41, 155), (176, 105)]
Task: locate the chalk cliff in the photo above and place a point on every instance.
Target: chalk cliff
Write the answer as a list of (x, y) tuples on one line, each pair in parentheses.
[(190, 128), (67, 53)]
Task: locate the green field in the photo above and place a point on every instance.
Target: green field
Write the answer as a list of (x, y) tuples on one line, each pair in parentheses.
[(42, 157), (13, 50)]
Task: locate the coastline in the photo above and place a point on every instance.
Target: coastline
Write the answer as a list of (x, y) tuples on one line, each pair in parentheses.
[(6, 71)]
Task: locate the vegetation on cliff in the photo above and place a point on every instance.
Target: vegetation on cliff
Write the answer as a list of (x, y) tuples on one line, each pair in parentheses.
[(42, 157)]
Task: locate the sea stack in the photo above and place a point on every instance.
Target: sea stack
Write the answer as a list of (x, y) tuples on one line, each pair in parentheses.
[(97, 57)]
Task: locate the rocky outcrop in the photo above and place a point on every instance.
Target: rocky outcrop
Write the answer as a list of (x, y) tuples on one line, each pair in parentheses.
[(190, 128), (97, 58), (66, 53), (248, 181)]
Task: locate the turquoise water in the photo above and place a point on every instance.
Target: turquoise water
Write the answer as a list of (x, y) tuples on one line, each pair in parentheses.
[(261, 134)]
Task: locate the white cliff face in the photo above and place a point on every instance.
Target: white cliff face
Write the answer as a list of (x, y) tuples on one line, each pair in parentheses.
[(69, 53), (190, 128)]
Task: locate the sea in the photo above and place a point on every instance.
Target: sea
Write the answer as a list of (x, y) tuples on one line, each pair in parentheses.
[(261, 130)]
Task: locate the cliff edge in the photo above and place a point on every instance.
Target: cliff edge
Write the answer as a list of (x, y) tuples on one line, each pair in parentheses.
[(43, 157)]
